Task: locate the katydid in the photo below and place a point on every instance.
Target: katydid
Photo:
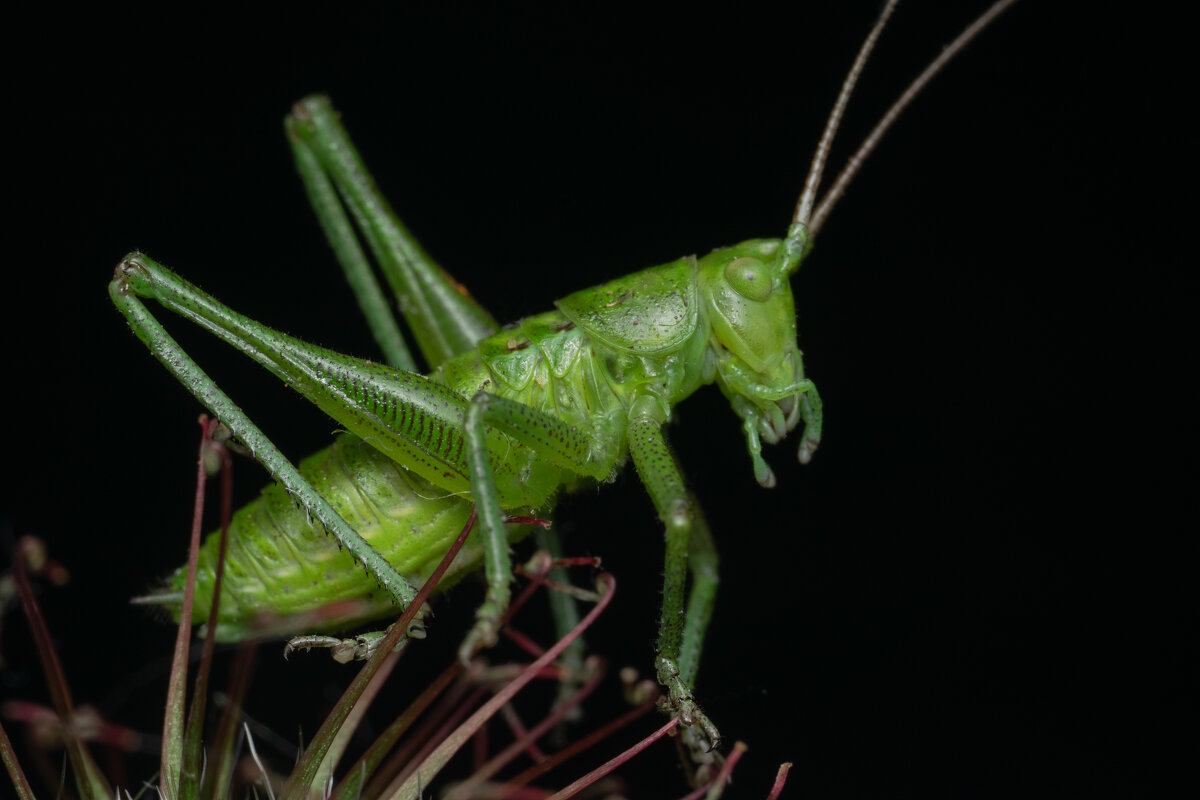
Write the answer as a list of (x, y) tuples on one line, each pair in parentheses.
[(505, 419)]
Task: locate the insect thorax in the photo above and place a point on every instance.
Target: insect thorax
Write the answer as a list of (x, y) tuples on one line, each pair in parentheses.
[(665, 330)]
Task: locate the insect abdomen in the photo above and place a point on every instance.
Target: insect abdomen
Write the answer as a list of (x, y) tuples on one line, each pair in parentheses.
[(284, 575)]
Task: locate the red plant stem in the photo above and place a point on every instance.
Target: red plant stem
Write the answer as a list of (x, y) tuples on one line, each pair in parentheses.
[(521, 733), (195, 724), (545, 523), (716, 787), (375, 753), (524, 642), (403, 759), (525, 740), (608, 766), (586, 743), (219, 772), (9, 756), (780, 779), (86, 771), (450, 725), (535, 582), (577, 561), (540, 577), (480, 742), (168, 778), (305, 771), (442, 754), (56, 681)]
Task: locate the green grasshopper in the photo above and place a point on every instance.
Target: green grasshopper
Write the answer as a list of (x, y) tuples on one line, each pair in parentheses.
[(506, 418)]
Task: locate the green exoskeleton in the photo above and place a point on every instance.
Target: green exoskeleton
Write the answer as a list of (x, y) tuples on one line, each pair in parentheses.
[(505, 419)]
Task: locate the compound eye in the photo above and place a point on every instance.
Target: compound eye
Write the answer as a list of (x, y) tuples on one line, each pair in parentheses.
[(750, 278)]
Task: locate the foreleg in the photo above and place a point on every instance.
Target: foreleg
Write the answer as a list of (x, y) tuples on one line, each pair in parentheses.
[(663, 480), (551, 439)]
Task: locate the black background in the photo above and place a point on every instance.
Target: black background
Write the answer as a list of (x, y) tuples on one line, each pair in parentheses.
[(982, 585)]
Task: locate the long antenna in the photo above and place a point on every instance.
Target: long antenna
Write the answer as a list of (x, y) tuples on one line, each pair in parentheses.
[(868, 146), (804, 205)]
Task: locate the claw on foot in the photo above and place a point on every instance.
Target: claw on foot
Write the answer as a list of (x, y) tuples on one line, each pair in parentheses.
[(482, 636), (355, 648), (699, 758), (343, 651), (807, 448), (680, 703)]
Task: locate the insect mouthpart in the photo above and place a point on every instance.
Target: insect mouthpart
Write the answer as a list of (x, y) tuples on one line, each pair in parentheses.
[(779, 418), (790, 406)]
